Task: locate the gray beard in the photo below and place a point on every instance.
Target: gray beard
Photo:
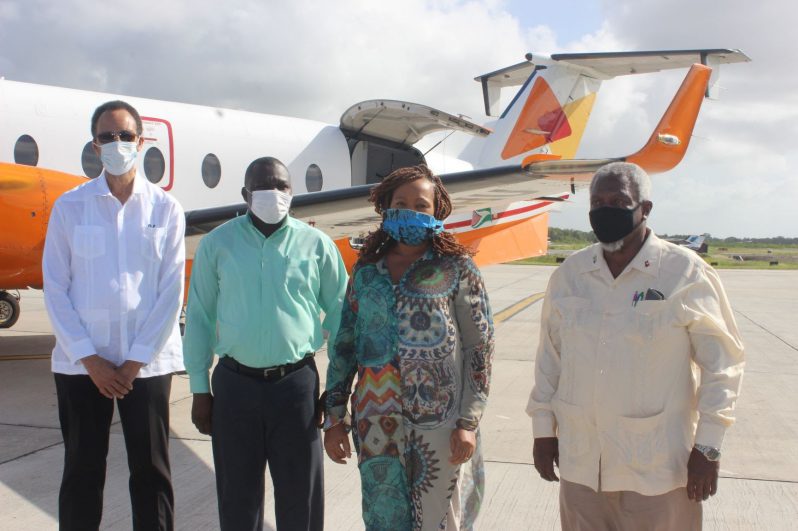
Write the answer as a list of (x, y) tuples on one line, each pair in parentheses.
[(613, 247)]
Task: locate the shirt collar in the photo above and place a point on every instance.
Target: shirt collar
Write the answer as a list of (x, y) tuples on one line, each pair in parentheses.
[(647, 259), (287, 221), (139, 186)]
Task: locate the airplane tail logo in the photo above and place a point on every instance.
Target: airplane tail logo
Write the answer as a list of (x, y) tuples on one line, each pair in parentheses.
[(542, 121)]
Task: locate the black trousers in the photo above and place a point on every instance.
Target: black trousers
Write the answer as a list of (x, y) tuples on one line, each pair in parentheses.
[(85, 417), (256, 422)]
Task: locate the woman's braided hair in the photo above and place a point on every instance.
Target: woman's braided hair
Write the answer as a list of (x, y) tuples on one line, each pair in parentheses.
[(378, 243)]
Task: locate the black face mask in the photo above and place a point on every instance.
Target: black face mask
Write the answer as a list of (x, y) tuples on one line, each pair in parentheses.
[(611, 224)]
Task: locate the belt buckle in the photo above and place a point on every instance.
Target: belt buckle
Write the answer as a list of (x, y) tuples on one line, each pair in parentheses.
[(274, 370)]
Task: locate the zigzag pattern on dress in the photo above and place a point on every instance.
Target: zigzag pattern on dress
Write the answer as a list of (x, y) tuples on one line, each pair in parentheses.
[(379, 392)]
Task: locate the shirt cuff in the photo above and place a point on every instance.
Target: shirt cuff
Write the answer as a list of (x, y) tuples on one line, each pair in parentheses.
[(81, 349), (199, 382), (710, 434), (544, 425), (140, 353)]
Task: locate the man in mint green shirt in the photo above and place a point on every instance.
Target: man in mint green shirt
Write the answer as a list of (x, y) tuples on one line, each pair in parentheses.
[(259, 286)]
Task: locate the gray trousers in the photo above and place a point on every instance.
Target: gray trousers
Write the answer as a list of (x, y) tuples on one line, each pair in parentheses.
[(256, 422), (583, 509)]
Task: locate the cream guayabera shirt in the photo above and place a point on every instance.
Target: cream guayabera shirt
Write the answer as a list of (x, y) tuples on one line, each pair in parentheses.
[(113, 277), (628, 384)]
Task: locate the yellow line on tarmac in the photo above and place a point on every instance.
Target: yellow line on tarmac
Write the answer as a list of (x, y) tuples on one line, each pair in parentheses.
[(518, 307), (18, 357)]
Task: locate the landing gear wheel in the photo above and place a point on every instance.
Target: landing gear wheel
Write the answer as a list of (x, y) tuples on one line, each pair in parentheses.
[(9, 309)]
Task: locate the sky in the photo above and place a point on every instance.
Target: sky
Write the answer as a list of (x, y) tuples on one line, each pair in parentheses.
[(313, 59)]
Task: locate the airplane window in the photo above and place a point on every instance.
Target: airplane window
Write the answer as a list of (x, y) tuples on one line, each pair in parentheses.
[(26, 151), (211, 170), (92, 166), (313, 178), (154, 164)]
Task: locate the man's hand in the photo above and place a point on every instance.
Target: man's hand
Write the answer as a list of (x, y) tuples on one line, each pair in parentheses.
[(129, 371), (104, 375), (201, 408), (462, 444), (546, 454), (702, 476), (336, 443)]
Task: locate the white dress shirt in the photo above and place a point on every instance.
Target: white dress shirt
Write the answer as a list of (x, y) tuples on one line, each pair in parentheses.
[(628, 384), (113, 277)]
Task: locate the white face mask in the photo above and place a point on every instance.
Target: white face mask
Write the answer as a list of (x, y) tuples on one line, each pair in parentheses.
[(271, 206), (118, 157)]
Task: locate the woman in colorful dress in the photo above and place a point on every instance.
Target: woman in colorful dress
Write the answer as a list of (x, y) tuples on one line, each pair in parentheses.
[(416, 329)]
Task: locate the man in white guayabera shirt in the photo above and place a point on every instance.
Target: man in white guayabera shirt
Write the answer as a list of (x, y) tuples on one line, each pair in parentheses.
[(637, 372), (113, 268)]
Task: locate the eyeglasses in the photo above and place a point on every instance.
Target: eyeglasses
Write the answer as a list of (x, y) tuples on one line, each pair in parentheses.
[(111, 136)]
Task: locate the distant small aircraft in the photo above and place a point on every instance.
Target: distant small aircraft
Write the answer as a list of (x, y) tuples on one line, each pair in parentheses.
[(695, 243), (510, 174)]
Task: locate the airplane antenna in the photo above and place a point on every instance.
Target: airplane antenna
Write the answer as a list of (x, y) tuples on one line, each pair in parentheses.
[(438, 143)]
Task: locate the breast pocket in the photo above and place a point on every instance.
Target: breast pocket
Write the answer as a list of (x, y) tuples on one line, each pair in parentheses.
[(88, 241), (152, 243), (648, 321)]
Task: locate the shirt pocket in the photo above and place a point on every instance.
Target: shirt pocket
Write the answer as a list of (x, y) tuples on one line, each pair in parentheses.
[(152, 243), (572, 430), (88, 241), (648, 322), (638, 444), (98, 326)]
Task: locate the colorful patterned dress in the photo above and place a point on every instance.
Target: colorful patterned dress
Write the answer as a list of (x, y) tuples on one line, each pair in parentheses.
[(422, 352)]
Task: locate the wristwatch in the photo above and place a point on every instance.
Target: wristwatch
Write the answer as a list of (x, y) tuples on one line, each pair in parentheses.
[(712, 454)]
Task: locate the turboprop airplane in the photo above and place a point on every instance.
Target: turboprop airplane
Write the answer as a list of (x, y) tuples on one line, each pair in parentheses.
[(510, 174)]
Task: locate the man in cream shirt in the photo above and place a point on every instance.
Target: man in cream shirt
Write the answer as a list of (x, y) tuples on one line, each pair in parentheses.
[(637, 371), (113, 271)]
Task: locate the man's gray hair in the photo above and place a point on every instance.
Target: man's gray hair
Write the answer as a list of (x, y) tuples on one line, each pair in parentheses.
[(638, 178)]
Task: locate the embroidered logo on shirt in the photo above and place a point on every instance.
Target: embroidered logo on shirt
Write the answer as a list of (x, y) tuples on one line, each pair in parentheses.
[(594, 258), (647, 263)]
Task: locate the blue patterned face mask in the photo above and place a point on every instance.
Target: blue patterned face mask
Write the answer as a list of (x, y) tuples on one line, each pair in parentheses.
[(410, 227)]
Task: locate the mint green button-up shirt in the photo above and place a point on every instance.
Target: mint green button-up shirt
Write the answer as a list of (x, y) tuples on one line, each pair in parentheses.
[(259, 300)]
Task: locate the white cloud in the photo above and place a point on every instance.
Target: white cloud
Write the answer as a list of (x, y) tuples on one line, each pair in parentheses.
[(314, 59)]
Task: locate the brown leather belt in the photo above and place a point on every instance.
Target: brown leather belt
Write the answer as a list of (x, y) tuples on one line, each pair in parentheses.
[(268, 374)]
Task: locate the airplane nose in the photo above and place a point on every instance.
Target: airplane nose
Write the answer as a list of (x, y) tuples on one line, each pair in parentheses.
[(26, 198)]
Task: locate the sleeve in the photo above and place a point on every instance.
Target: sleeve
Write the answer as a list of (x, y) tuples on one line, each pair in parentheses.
[(718, 352), (333, 288), (57, 277), (343, 359), (165, 312), (475, 322), (547, 369), (200, 335)]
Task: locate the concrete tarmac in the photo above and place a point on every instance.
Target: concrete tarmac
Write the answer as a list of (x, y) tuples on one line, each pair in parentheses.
[(759, 469)]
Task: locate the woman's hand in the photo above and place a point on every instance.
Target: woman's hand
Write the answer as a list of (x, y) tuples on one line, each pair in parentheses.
[(462, 443), (336, 443)]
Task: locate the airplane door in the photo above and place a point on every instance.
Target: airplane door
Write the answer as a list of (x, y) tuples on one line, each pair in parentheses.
[(156, 160)]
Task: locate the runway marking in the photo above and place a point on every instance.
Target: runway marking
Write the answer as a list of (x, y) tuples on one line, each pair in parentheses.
[(23, 357), (514, 309)]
